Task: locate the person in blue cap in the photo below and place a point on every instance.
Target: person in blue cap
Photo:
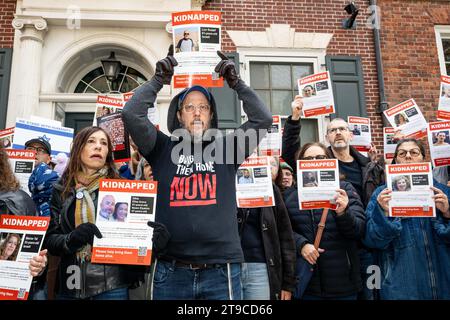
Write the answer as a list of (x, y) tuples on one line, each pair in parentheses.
[(197, 250)]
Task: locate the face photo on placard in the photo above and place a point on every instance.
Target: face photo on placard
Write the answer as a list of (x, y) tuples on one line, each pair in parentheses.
[(186, 39), (10, 245), (401, 183), (5, 142), (441, 138), (322, 85), (355, 129), (308, 91), (309, 179), (244, 176), (401, 119)]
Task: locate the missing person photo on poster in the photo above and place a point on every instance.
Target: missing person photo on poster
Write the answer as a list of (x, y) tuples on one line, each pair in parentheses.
[(407, 117), (125, 207)]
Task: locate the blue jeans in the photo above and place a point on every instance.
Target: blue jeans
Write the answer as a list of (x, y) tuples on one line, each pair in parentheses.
[(171, 282), (115, 294), (255, 281), (312, 298), (40, 294)]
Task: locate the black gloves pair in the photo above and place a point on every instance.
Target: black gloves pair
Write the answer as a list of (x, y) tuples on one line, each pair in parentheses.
[(161, 236), (225, 68), (82, 235)]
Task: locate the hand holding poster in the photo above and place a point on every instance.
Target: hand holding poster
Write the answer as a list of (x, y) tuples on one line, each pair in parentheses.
[(439, 141), (254, 184), (407, 117), (317, 94), (22, 164), (411, 194), (389, 143), (114, 126), (24, 237), (362, 137), (196, 39), (124, 208), (270, 145), (6, 138), (444, 99), (317, 182)]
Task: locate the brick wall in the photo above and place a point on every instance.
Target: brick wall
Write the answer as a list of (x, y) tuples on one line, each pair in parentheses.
[(410, 56), (310, 16), (7, 10)]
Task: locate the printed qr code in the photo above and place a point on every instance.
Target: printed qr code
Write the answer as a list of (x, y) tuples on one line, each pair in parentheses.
[(142, 251), (21, 293), (215, 76)]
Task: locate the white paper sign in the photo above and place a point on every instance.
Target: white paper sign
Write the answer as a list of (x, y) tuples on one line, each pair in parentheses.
[(60, 138), (411, 194), (254, 184)]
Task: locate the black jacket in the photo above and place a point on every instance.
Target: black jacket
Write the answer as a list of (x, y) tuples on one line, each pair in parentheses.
[(18, 203), (337, 272), (372, 172), (95, 278), (278, 243)]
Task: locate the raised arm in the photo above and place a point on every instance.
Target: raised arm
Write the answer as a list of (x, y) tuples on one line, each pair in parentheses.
[(259, 116), (135, 112), (291, 133)]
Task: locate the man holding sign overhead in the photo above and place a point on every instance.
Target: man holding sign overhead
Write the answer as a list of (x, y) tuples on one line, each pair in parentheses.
[(196, 237)]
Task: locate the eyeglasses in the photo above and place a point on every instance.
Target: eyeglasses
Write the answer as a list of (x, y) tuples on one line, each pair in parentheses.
[(39, 150), (413, 152), (186, 34), (334, 130), (204, 108), (319, 157)]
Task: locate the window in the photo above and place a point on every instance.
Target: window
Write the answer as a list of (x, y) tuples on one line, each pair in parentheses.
[(443, 47), (276, 84), (95, 81), (446, 51)]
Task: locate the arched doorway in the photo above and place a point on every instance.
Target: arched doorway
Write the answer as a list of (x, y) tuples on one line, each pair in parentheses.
[(82, 78)]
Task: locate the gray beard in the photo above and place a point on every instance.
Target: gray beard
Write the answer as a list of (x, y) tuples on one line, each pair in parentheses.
[(340, 145)]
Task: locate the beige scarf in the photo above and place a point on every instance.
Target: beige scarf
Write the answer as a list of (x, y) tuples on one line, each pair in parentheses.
[(85, 186)]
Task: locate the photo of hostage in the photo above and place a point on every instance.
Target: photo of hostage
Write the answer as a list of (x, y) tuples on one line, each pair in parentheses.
[(5, 142), (356, 130), (9, 248), (400, 119), (186, 43), (120, 211), (246, 177), (441, 138), (401, 183), (107, 208), (309, 179), (308, 91)]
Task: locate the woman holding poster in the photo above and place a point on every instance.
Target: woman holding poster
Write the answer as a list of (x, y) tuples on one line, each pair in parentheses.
[(420, 246), (15, 201), (336, 273), (72, 225)]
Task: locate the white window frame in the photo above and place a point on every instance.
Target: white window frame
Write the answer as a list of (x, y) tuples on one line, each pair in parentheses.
[(442, 32), (271, 55)]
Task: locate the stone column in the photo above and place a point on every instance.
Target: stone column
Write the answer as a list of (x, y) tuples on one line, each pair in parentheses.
[(32, 32)]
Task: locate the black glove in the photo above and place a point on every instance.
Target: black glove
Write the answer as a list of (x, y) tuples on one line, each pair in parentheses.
[(160, 237), (82, 235), (227, 69), (164, 67)]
